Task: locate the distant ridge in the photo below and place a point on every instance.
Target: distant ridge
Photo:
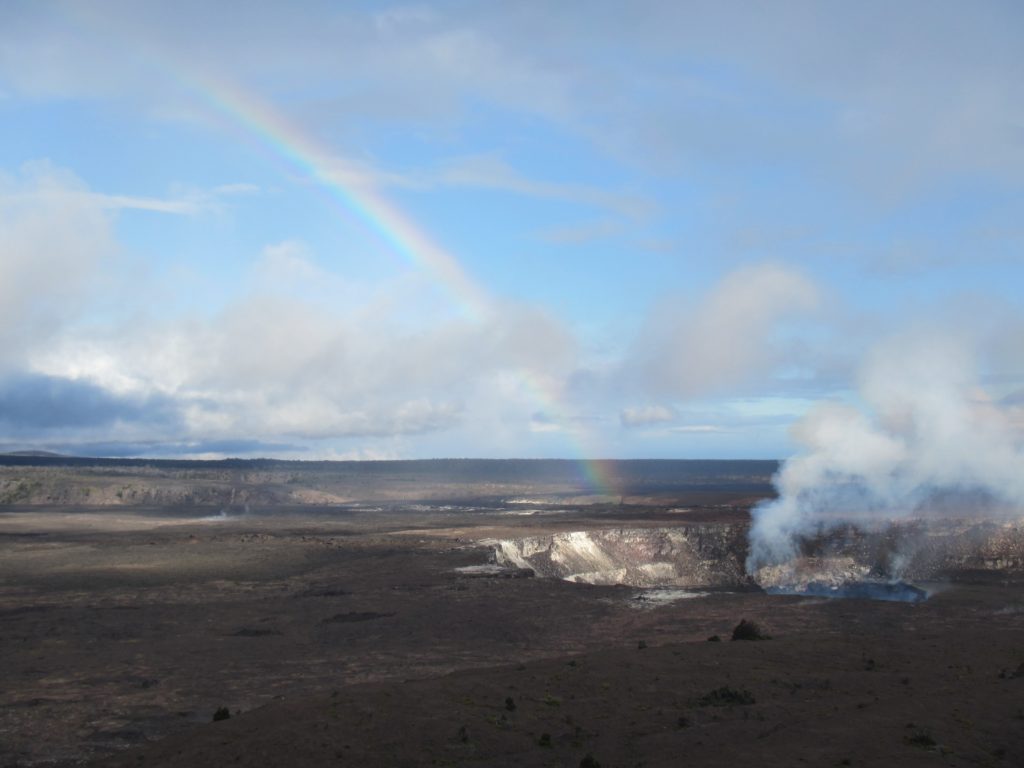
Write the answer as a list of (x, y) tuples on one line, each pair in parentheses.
[(38, 454), (456, 469), (270, 482), (628, 475), (49, 457)]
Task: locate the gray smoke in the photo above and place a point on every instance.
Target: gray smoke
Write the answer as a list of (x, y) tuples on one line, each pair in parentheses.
[(923, 440)]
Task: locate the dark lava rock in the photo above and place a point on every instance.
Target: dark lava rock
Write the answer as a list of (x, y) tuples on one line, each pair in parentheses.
[(325, 592), (254, 632), (1017, 673), (351, 616), (748, 630), (725, 697), (518, 573), (123, 736)]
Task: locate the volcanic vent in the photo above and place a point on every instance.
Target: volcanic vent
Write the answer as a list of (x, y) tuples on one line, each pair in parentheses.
[(878, 564), (882, 564)]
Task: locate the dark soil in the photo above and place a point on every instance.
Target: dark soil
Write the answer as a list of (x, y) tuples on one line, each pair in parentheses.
[(352, 640)]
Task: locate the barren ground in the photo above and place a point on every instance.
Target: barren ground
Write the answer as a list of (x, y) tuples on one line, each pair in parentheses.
[(347, 636)]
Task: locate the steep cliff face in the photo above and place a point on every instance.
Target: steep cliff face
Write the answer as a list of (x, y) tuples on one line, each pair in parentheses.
[(41, 488), (714, 555), (989, 546), (695, 555), (148, 487)]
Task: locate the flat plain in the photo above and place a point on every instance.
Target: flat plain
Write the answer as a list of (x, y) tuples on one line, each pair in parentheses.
[(359, 628)]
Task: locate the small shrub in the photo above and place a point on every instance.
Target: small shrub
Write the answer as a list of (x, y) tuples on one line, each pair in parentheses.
[(510, 704), (641, 645), (588, 761), (222, 713), (544, 740), (748, 630), (921, 738), (726, 697), (1008, 675), (714, 639)]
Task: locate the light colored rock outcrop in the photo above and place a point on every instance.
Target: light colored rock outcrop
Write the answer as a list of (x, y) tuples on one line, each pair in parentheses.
[(698, 555)]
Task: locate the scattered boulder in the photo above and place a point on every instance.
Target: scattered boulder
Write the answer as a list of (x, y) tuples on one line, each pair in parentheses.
[(352, 616), (748, 630), (726, 697), (254, 632)]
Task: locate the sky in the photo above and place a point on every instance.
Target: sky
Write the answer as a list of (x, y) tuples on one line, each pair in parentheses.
[(367, 230)]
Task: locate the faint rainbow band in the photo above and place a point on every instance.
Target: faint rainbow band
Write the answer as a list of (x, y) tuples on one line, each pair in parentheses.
[(360, 196)]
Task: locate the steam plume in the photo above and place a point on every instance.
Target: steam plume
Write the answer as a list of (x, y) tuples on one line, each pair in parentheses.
[(924, 440)]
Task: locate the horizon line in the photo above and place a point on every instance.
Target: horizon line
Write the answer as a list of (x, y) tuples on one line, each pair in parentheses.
[(58, 456)]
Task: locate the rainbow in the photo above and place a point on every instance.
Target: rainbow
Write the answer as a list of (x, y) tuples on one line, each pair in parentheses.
[(355, 191), (350, 188), (597, 475), (346, 185)]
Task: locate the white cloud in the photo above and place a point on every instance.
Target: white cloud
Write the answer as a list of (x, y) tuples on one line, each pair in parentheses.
[(58, 188), (274, 364), (725, 340), (288, 263), (395, 64), (800, 91), (698, 429), (490, 171), (300, 352), (56, 241), (903, 93), (642, 416)]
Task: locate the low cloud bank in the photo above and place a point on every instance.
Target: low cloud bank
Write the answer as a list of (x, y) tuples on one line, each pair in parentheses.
[(34, 402), (645, 416)]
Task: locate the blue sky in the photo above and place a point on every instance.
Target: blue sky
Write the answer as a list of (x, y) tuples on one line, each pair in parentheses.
[(659, 229)]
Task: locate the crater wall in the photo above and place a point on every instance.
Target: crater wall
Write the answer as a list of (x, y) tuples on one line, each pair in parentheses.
[(713, 555), (695, 555)]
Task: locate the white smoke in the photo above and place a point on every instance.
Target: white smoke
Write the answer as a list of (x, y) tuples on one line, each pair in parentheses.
[(924, 440)]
